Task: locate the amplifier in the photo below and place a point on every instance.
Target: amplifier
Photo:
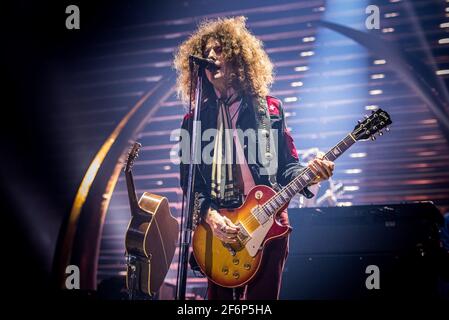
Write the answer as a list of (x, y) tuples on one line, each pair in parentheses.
[(334, 251)]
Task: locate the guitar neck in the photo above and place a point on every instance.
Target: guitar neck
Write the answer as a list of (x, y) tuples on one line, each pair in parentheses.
[(133, 203), (304, 178)]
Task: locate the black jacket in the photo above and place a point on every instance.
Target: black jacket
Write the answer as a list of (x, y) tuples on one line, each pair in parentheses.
[(253, 113)]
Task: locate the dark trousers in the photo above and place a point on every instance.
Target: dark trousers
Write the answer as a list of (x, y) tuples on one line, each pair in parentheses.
[(266, 285)]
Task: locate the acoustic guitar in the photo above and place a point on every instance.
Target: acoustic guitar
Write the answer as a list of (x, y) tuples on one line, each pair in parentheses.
[(234, 265), (151, 236)]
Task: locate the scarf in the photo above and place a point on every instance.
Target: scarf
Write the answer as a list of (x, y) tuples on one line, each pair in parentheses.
[(226, 184)]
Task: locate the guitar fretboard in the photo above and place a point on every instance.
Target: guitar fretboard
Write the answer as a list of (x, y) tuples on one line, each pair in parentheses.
[(275, 203)]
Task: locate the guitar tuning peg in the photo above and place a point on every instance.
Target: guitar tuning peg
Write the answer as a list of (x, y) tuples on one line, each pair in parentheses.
[(373, 138), (366, 116), (359, 121), (387, 129), (381, 133)]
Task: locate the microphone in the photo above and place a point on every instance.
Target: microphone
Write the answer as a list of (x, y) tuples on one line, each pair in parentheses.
[(203, 62)]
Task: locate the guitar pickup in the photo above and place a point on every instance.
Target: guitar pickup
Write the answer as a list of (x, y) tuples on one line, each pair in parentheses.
[(230, 248)]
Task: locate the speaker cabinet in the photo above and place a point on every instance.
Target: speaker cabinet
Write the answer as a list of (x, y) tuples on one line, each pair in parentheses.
[(334, 251)]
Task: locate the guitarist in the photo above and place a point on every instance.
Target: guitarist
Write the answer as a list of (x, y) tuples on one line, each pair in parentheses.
[(235, 96)]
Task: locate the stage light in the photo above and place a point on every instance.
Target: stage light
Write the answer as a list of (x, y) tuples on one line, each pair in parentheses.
[(319, 9), (174, 35), (297, 84), (442, 72), (380, 61), (371, 107), (357, 155), (153, 79), (163, 64), (444, 25), (429, 137), (427, 153), (301, 68), (377, 76), (308, 39), (307, 53), (344, 204), (290, 99), (353, 171), (387, 30), (375, 92), (443, 41), (166, 168), (391, 14), (351, 188)]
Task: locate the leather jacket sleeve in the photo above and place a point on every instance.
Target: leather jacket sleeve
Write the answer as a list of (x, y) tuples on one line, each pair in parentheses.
[(288, 160)]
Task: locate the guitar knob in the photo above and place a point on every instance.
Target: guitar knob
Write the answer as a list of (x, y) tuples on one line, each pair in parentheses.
[(225, 270), (381, 133), (247, 266), (235, 261), (373, 138), (236, 274)]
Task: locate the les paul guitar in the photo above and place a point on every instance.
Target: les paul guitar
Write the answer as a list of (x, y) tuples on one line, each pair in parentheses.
[(151, 236), (233, 265)]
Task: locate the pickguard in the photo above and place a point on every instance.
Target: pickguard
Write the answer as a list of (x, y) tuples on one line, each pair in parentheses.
[(258, 236)]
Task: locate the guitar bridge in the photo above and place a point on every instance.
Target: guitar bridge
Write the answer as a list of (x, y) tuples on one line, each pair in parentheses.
[(243, 235)]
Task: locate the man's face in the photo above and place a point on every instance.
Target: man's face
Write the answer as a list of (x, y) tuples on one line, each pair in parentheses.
[(220, 77)]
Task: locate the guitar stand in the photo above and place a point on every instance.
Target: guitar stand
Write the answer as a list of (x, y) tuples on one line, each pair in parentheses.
[(234, 294), (133, 292)]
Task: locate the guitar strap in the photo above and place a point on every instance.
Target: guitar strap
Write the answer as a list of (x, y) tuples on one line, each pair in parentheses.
[(264, 124)]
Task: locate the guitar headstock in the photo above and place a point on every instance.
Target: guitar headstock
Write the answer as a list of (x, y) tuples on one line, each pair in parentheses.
[(132, 155), (371, 125)]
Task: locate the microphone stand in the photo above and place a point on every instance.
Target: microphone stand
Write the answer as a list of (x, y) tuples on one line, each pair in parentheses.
[(187, 223)]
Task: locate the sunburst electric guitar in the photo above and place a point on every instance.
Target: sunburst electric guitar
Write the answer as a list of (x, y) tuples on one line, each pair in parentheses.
[(233, 265)]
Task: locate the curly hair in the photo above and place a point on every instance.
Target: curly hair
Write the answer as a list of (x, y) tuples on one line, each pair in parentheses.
[(253, 69)]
